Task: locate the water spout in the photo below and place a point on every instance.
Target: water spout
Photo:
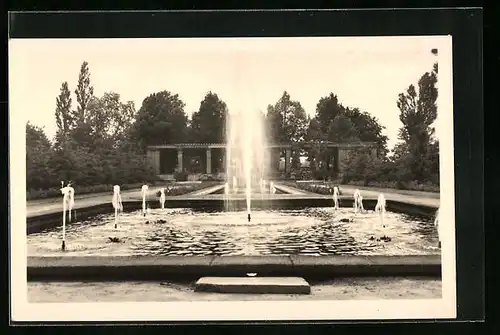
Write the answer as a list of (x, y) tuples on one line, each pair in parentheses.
[(438, 227), (360, 204), (356, 196), (71, 200), (144, 192), (335, 197), (235, 184), (117, 202), (65, 193), (162, 198), (380, 208)]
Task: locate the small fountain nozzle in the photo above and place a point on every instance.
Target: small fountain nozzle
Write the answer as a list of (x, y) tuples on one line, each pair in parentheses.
[(63, 247), (249, 217)]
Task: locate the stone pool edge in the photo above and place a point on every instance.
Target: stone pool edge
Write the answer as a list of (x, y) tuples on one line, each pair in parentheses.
[(36, 222), (130, 268)]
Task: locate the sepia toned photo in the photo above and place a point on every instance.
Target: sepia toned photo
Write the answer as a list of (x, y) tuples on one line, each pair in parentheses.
[(232, 179)]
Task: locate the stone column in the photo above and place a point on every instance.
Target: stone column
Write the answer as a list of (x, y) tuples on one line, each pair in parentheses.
[(209, 161), (179, 160), (157, 161), (288, 160), (277, 159)]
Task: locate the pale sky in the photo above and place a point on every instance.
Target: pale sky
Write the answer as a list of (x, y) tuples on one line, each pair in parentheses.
[(364, 72)]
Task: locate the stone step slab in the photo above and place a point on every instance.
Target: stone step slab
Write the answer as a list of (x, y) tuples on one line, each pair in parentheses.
[(253, 285)]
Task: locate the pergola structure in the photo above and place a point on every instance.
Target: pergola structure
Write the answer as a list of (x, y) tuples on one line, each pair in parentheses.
[(154, 152)]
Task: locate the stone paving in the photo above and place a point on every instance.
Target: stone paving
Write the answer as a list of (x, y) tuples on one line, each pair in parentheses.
[(369, 288)]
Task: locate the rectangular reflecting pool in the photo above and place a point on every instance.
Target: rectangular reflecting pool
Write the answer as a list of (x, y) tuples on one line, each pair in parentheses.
[(174, 232)]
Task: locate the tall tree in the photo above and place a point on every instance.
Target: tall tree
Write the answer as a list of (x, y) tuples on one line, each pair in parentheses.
[(418, 111), (287, 120), (65, 121), (326, 110), (208, 124), (161, 119), (84, 93)]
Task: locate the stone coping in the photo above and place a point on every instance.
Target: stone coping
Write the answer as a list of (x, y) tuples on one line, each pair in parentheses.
[(77, 268)]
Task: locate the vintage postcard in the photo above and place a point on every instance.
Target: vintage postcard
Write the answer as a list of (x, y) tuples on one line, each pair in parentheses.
[(245, 179)]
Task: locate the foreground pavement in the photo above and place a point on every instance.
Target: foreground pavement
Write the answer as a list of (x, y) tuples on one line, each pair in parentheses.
[(369, 288)]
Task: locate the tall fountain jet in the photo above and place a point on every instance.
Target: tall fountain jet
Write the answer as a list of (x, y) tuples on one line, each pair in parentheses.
[(246, 156)]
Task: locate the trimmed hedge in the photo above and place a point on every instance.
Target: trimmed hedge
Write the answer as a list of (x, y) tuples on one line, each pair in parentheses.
[(324, 187), (175, 189), (55, 192)]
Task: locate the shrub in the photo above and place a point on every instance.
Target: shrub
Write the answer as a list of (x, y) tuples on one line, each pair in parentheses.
[(324, 187), (181, 176)]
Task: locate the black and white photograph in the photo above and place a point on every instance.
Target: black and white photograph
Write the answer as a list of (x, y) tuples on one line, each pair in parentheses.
[(253, 178)]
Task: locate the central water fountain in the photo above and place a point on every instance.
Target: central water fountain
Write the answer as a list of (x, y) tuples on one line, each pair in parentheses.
[(246, 157)]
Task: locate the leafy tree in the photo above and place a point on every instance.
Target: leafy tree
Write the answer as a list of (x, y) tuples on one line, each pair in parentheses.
[(109, 120), (287, 123), (38, 156), (65, 120), (342, 130), (287, 120), (362, 165), (368, 128), (208, 125), (327, 110), (161, 119), (418, 111), (335, 123)]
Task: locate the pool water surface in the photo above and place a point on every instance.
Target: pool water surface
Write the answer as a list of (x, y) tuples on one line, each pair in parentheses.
[(173, 232)]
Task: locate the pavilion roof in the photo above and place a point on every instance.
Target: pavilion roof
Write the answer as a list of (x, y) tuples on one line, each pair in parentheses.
[(270, 145)]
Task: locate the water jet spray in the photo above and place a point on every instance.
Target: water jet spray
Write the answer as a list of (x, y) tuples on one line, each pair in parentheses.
[(144, 192), (66, 199), (117, 202)]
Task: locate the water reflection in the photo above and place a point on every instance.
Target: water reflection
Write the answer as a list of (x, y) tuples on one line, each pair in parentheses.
[(313, 231)]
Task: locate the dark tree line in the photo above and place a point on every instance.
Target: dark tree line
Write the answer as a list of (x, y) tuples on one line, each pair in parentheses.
[(102, 140)]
